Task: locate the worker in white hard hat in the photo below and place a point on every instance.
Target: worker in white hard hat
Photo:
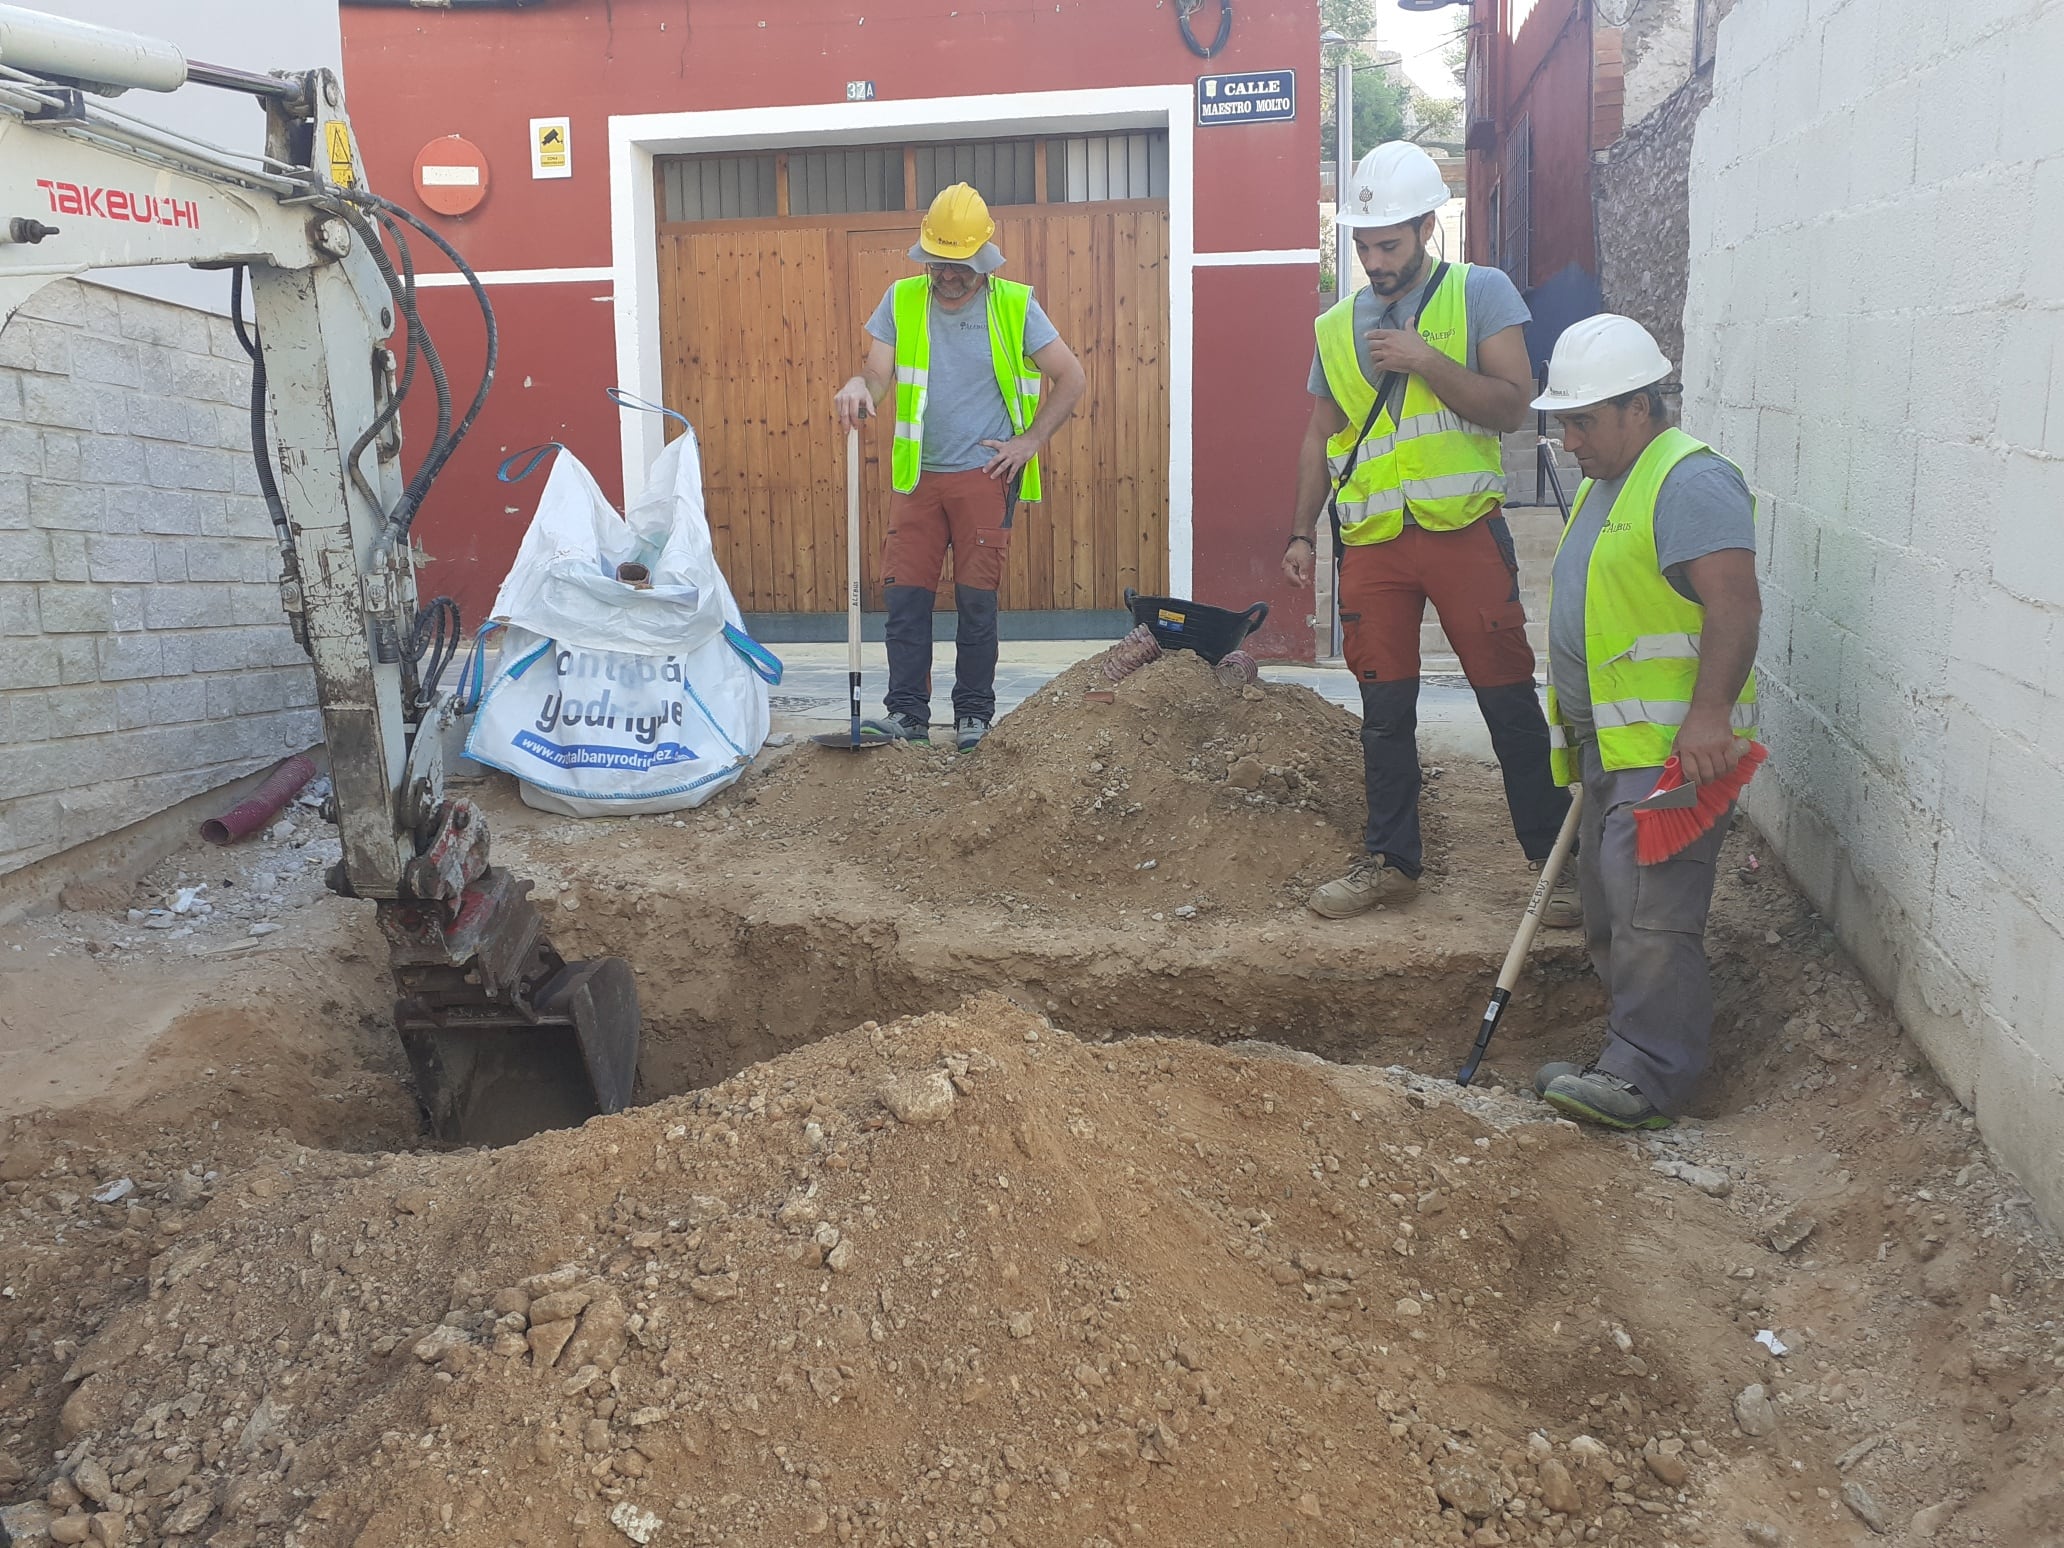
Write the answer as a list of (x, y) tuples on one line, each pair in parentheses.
[(969, 355), (1413, 382), (1652, 624)]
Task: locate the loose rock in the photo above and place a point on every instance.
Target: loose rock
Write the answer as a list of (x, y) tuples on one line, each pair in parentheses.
[(1864, 1505), (926, 1098), (1754, 1412)]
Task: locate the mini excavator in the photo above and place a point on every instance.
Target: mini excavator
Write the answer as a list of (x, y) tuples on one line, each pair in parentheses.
[(505, 1037)]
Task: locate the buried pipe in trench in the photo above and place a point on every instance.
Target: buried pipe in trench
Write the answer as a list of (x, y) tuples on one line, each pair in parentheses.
[(247, 817)]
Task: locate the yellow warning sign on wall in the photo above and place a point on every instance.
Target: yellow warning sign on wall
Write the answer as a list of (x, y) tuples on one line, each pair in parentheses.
[(551, 147), (338, 137)]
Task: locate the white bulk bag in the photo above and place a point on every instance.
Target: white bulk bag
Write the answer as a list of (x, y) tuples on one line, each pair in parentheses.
[(608, 698)]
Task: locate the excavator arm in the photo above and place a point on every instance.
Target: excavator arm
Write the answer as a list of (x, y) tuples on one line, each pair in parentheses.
[(505, 1037)]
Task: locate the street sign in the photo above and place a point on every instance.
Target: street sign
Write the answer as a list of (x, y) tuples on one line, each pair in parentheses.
[(1258, 97)]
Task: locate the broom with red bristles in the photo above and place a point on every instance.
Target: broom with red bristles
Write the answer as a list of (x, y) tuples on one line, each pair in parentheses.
[(1672, 817)]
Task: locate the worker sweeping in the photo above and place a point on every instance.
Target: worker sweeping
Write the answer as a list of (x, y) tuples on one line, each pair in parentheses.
[(970, 356), (1652, 623), (1412, 381)]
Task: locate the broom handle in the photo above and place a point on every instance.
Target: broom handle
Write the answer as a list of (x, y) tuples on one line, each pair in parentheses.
[(1523, 941)]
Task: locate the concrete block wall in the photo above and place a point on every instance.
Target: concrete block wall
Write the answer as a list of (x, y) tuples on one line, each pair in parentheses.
[(144, 658), (1875, 327)]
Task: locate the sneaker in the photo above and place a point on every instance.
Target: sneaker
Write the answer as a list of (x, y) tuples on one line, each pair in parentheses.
[(1371, 880), (1606, 1100), (968, 732), (1564, 907), (1548, 1074), (897, 728)]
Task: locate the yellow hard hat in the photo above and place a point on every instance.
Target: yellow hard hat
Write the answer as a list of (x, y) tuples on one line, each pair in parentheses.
[(957, 225)]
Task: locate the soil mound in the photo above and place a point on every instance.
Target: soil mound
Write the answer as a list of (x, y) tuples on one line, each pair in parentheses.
[(1170, 786), (958, 1279)]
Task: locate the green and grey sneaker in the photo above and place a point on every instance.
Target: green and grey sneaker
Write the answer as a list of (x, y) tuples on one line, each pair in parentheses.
[(897, 728), (1563, 909), (968, 733), (1547, 1074), (1596, 1097), (1369, 881)]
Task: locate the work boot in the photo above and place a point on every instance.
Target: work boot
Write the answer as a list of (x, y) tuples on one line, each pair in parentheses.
[(1606, 1100), (1564, 907), (968, 732), (1371, 880), (1548, 1073)]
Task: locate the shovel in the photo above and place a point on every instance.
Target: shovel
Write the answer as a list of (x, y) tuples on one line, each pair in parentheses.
[(855, 738), (1522, 943)]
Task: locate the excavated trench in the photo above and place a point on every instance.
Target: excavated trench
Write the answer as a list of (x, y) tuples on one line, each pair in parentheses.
[(721, 989)]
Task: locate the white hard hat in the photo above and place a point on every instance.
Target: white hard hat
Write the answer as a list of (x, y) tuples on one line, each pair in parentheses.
[(1600, 358), (1394, 183)]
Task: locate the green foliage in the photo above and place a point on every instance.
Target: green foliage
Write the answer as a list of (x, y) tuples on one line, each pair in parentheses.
[(1387, 106)]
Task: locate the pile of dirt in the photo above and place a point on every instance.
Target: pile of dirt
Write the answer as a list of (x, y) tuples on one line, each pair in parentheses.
[(957, 1279), (969, 1278), (1169, 786)]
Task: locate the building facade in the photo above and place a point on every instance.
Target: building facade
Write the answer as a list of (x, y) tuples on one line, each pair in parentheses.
[(735, 187)]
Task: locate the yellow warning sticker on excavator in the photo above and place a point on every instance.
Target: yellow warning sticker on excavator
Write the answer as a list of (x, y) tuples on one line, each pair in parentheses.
[(338, 136)]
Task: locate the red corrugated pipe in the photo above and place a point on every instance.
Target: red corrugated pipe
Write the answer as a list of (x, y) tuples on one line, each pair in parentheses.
[(247, 817)]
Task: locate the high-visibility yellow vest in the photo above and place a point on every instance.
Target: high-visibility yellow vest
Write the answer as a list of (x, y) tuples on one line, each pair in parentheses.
[(1017, 374), (1641, 637), (1450, 472)]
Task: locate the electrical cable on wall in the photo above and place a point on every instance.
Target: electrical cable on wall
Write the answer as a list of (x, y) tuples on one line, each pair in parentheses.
[(1184, 9)]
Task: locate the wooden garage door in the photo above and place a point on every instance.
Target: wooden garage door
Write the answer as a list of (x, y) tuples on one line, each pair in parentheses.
[(762, 319)]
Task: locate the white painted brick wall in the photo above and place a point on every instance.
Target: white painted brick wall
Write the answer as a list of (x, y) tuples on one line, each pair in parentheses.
[(1890, 173), (143, 656)]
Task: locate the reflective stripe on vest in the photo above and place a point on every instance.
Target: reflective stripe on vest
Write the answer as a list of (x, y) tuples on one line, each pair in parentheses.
[(1017, 374), (1450, 472), (1641, 636)]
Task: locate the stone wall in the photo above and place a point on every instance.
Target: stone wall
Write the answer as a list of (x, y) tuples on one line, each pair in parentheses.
[(1898, 397), (1658, 44), (144, 657), (1642, 194)]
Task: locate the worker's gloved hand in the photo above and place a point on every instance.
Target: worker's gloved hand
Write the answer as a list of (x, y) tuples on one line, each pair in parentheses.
[(853, 403)]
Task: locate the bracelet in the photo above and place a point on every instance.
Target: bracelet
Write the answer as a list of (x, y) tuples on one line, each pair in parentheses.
[(1299, 537)]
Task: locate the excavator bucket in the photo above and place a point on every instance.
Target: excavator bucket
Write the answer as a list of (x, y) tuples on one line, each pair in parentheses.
[(512, 1040)]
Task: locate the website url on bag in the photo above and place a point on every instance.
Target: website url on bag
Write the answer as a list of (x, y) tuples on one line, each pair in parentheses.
[(588, 756)]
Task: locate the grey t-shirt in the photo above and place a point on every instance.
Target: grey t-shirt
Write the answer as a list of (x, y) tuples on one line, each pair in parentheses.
[(1703, 507), (1493, 301), (964, 406)]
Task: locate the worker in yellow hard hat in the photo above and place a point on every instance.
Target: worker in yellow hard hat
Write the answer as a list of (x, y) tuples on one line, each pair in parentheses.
[(982, 382)]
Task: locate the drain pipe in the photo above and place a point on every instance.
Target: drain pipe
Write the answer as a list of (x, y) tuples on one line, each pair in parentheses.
[(247, 817)]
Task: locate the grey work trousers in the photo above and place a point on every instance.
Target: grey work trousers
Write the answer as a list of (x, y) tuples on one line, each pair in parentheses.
[(1645, 926)]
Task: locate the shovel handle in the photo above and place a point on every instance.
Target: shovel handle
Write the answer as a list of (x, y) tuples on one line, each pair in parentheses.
[(1522, 942), (853, 550)]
